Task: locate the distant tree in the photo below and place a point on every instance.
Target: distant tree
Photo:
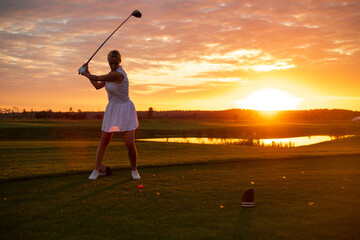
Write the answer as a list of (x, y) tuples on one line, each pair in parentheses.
[(81, 115), (24, 113), (57, 115), (41, 115), (151, 112)]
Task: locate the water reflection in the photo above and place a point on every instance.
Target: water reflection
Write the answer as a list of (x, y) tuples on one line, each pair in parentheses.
[(274, 142)]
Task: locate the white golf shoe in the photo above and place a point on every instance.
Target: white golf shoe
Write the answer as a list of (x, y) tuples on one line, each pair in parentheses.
[(94, 175), (135, 174)]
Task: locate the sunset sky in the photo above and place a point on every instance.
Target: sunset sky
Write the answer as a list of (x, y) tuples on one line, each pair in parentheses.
[(183, 55)]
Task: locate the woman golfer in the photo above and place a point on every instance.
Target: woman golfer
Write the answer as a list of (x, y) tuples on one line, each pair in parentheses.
[(120, 114)]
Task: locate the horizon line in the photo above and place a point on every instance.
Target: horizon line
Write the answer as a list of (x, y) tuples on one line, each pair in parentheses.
[(173, 110)]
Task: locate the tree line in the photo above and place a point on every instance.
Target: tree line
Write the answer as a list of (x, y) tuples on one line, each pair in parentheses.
[(231, 114)]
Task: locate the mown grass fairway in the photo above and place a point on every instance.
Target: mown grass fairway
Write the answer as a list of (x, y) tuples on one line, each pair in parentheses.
[(314, 198), (190, 191)]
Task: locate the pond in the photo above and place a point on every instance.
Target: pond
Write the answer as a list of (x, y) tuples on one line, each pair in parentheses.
[(273, 142)]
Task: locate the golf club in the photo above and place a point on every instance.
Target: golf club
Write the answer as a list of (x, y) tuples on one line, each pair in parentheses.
[(135, 13)]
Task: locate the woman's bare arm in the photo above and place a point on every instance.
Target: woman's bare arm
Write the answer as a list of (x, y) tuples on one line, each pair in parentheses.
[(99, 81), (110, 77), (97, 85)]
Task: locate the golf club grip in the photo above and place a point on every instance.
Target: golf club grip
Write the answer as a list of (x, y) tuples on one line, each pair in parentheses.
[(106, 40)]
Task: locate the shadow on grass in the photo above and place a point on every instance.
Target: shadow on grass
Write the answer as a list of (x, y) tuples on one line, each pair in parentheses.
[(244, 223)]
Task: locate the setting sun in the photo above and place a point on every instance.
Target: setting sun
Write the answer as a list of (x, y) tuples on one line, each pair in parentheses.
[(269, 99)]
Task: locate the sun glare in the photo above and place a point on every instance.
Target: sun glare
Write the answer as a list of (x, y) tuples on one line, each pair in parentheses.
[(269, 99)]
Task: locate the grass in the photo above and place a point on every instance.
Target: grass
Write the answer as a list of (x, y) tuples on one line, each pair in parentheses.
[(21, 160), (90, 130), (190, 191), (314, 198)]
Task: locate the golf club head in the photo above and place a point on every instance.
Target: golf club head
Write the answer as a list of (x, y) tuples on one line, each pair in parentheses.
[(81, 70), (136, 13)]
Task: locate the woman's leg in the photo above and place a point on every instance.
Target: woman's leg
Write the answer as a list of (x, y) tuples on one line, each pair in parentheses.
[(103, 144), (129, 138)]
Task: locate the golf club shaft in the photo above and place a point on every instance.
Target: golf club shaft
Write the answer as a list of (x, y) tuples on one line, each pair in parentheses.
[(107, 39)]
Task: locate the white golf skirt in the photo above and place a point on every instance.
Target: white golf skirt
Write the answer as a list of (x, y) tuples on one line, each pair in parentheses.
[(120, 117)]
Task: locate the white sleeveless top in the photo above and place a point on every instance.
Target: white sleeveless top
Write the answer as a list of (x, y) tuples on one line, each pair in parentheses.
[(120, 114), (118, 92)]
